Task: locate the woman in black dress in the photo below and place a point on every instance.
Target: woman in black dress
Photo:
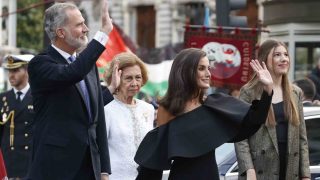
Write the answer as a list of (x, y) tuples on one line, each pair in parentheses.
[(191, 126)]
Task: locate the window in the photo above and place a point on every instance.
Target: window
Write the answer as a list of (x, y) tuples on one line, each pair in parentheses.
[(146, 26), (307, 54)]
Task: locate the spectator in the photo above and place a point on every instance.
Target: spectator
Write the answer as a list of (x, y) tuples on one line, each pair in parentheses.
[(308, 91), (279, 149), (17, 117), (128, 119)]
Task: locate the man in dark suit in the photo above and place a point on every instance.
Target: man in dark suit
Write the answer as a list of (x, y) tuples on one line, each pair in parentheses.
[(16, 110), (70, 139)]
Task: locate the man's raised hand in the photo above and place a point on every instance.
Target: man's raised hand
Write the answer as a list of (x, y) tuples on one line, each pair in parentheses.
[(106, 20)]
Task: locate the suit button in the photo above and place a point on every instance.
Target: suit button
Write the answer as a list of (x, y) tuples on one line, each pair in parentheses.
[(260, 172), (263, 152), (26, 123), (12, 148), (26, 135), (26, 147)]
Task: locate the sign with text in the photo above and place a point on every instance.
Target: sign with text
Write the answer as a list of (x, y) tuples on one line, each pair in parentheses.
[(229, 54)]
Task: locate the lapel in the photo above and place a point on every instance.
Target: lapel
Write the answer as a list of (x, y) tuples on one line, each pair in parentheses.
[(80, 92), (273, 135), (291, 131), (56, 56), (12, 102), (291, 134), (92, 87), (291, 128)]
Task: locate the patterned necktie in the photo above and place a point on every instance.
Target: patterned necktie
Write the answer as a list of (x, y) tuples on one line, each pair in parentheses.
[(19, 93), (85, 92)]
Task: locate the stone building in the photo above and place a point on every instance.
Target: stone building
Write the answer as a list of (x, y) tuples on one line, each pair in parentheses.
[(297, 23), (157, 23)]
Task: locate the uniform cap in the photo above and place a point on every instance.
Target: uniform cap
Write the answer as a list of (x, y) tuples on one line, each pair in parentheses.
[(16, 61)]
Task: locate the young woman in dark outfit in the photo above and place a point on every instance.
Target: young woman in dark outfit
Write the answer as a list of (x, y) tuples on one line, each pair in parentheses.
[(191, 126)]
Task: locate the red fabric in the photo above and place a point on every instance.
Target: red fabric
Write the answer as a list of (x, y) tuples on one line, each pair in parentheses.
[(114, 46), (3, 172), (227, 73)]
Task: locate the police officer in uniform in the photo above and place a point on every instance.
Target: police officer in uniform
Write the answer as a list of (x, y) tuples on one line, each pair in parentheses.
[(16, 112)]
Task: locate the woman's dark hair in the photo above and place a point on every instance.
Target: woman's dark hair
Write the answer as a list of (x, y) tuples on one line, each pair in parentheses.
[(182, 85)]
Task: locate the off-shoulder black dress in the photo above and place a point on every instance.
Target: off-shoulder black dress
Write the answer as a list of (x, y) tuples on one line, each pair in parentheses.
[(186, 145)]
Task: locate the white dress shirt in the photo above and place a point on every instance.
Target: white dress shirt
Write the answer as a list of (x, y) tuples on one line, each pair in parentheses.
[(23, 91)]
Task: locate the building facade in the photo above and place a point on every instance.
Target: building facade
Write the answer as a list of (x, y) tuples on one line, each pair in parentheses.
[(297, 23), (157, 23)]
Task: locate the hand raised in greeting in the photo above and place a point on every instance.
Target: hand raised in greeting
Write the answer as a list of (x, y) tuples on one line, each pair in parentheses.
[(263, 75), (106, 20)]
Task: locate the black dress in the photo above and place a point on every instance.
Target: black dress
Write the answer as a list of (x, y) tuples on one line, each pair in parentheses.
[(186, 145)]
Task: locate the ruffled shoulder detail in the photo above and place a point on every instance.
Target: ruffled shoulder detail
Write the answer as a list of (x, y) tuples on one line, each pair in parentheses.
[(194, 133)]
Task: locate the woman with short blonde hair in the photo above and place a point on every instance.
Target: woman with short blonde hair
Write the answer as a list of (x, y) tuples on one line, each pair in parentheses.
[(127, 119)]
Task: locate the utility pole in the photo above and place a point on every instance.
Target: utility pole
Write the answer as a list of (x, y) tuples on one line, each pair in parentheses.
[(12, 24)]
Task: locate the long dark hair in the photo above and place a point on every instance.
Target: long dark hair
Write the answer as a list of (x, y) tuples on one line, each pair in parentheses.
[(182, 85)]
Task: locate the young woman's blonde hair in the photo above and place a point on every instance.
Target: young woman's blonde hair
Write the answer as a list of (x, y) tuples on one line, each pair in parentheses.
[(290, 106)]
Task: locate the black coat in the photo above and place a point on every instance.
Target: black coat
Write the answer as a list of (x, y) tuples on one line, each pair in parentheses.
[(190, 139), (17, 156), (106, 95), (63, 131)]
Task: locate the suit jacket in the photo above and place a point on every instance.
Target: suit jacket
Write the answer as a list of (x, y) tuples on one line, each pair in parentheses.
[(260, 151), (17, 155), (106, 95), (63, 131)]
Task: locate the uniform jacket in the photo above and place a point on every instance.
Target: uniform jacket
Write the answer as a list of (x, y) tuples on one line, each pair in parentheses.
[(63, 130), (17, 155), (260, 151)]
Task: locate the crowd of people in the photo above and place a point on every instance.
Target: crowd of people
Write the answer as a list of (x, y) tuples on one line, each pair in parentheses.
[(60, 123)]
